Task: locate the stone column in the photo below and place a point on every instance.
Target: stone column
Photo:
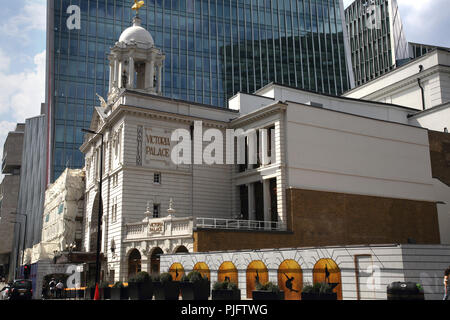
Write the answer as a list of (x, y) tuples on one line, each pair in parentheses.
[(213, 275), (145, 263), (119, 74), (147, 75), (252, 152), (159, 66), (151, 73), (131, 72), (115, 76), (263, 147), (111, 76), (242, 279)]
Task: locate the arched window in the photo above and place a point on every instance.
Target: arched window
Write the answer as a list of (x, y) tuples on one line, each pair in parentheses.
[(181, 249), (134, 262), (93, 226), (154, 260)]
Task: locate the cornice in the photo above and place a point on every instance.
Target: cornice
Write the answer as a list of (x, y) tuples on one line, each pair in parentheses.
[(412, 80)]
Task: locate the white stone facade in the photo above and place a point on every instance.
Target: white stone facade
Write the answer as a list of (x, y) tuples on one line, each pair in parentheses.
[(400, 86), (365, 270), (150, 204)]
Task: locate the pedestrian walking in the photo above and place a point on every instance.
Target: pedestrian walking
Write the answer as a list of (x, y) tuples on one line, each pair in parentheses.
[(59, 289), (446, 275), (52, 286)]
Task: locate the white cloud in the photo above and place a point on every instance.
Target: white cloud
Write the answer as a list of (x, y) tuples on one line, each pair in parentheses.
[(4, 61), (32, 16), (22, 93), (426, 21)]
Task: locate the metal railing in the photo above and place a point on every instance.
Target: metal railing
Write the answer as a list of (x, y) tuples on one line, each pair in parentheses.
[(235, 224)]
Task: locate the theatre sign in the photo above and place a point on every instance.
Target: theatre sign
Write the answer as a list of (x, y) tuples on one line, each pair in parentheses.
[(157, 145)]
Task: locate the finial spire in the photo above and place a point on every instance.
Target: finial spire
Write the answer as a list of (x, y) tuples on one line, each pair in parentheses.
[(137, 5), (171, 211)]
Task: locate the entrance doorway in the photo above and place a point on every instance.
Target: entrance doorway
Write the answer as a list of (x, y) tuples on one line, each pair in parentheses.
[(134, 263), (154, 260)]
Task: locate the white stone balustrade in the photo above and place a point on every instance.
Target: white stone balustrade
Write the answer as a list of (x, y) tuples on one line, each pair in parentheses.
[(166, 227)]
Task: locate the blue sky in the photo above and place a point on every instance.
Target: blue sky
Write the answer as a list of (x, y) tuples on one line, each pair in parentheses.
[(22, 61), (22, 50)]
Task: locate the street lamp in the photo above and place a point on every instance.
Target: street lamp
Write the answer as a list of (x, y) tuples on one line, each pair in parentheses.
[(97, 259)]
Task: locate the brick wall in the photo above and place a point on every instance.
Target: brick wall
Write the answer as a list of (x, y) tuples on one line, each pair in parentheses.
[(318, 218), (440, 155)]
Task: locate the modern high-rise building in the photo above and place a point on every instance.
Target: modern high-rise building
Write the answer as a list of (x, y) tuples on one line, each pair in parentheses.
[(417, 50), (377, 39), (11, 225), (213, 48)]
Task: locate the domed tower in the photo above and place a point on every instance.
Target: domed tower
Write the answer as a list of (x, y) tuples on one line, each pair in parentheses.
[(135, 63)]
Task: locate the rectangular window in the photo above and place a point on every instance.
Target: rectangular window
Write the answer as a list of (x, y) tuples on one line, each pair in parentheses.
[(156, 208), (157, 178)]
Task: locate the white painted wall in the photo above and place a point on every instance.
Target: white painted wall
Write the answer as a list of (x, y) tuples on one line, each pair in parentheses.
[(361, 108), (337, 152), (435, 119), (400, 86), (442, 192)]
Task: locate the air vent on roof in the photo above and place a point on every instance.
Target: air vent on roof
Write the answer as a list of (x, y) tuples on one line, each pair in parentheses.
[(315, 104)]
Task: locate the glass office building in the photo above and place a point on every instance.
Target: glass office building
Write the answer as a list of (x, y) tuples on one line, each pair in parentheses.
[(213, 48), (377, 39)]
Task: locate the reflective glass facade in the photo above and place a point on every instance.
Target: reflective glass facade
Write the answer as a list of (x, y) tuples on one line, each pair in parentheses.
[(377, 39), (213, 48)]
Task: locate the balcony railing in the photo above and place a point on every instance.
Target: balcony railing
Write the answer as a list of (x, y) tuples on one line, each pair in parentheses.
[(235, 224)]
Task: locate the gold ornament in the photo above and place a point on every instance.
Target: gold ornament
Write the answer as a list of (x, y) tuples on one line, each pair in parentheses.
[(137, 5)]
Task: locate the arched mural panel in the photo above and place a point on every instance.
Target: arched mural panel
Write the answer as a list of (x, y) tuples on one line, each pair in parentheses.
[(290, 279), (326, 270), (177, 271), (256, 272), (203, 269), (227, 272)]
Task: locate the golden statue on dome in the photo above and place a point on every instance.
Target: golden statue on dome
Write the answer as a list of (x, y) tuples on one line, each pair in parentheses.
[(137, 5)]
